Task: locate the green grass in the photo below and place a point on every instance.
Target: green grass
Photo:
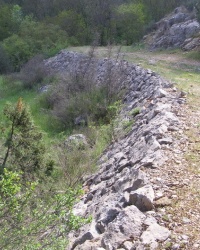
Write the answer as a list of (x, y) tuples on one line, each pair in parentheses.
[(11, 91)]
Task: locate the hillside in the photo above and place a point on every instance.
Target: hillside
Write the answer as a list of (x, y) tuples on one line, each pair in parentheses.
[(144, 193), (179, 29), (99, 146)]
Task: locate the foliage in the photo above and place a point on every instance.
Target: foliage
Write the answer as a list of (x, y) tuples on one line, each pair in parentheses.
[(73, 24), (130, 26), (32, 220), (32, 73), (33, 38), (10, 19), (42, 26), (25, 149), (135, 111), (18, 50), (194, 4), (77, 95)]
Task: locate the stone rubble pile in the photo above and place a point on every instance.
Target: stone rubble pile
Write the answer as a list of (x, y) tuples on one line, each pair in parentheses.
[(120, 196)]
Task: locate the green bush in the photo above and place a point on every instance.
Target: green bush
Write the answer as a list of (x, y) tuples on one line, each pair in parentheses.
[(18, 50), (130, 22), (32, 218), (33, 38), (73, 24)]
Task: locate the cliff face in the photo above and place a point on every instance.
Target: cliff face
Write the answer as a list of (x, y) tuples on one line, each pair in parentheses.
[(180, 29), (132, 181)]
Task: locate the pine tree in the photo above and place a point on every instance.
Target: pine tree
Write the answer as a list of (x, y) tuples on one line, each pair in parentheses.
[(25, 150)]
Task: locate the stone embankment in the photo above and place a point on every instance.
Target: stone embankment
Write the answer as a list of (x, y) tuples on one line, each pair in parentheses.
[(124, 197), (180, 29)]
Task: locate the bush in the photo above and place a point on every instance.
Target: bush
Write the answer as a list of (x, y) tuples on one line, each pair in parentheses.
[(73, 24), (33, 38), (31, 218), (77, 94), (18, 50), (33, 72)]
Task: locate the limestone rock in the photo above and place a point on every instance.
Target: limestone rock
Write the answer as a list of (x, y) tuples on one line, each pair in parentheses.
[(153, 233), (120, 191), (178, 29), (128, 224), (142, 198)]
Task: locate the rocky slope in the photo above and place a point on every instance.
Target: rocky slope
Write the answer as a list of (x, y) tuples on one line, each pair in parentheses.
[(180, 29), (127, 196)]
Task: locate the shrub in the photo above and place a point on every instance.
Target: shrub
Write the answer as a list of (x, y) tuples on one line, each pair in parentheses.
[(77, 92), (24, 147), (31, 218), (18, 50), (74, 25), (33, 72), (33, 38), (72, 98)]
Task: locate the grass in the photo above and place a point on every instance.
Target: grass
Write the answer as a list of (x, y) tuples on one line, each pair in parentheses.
[(11, 91)]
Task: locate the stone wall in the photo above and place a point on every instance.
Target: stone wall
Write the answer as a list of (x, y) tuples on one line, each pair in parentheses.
[(120, 196)]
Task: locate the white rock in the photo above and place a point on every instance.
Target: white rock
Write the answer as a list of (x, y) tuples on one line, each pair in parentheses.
[(142, 198), (155, 232)]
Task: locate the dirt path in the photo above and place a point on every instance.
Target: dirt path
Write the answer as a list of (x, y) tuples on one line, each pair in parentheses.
[(166, 57), (182, 172)]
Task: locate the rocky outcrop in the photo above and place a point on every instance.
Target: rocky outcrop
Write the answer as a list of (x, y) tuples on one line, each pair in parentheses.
[(120, 196), (178, 30)]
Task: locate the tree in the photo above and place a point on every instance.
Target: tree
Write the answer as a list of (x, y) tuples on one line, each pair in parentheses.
[(73, 24), (33, 38), (130, 22), (25, 150)]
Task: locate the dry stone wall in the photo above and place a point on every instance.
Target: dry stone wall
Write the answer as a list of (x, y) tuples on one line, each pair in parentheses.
[(120, 196)]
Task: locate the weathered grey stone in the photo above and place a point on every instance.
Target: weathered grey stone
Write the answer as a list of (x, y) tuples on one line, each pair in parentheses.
[(161, 93), (77, 141), (175, 30), (142, 198), (165, 141), (128, 245), (128, 224), (150, 220), (155, 232)]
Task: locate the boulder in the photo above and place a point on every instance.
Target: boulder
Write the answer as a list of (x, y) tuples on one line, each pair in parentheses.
[(142, 198), (128, 224)]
